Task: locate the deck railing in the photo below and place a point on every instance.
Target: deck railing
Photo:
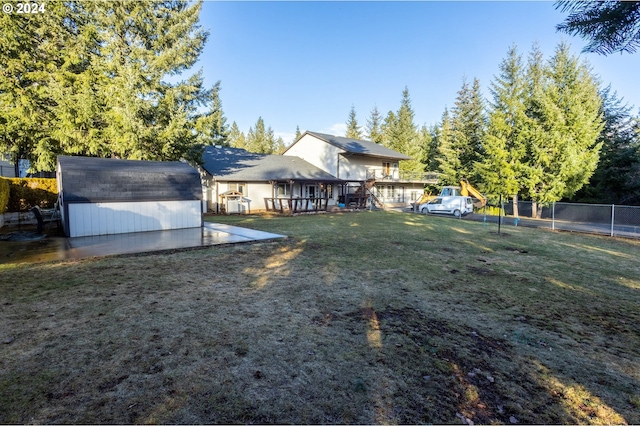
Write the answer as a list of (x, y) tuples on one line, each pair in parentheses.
[(295, 205), (380, 174)]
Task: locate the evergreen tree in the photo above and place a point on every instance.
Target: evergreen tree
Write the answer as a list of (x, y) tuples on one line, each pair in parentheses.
[(212, 127), (237, 138), (140, 44), (400, 133), (468, 123), (617, 177), (298, 134), (565, 122), (48, 99), (406, 135), (374, 126), (353, 129), (262, 140), (611, 26), (87, 78), (429, 142), (389, 130), (448, 162), (501, 168)]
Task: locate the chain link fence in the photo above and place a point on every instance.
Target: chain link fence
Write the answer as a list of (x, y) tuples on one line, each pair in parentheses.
[(605, 219)]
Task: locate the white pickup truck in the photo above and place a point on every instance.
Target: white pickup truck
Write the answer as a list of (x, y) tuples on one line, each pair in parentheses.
[(456, 205)]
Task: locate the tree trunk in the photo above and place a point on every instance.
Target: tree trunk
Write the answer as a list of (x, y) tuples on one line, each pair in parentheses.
[(536, 210), (515, 206)]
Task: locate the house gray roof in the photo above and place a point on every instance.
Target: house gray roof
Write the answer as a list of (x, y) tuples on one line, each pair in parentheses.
[(358, 146), (87, 179), (233, 164)]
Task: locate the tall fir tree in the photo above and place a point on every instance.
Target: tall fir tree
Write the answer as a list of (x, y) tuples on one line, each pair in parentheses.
[(389, 130), (262, 140), (504, 147), (448, 161), (298, 134), (237, 138), (353, 129), (212, 127), (617, 177), (562, 147), (50, 101), (406, 134), (468, 125), (374, 126), (91, 81)]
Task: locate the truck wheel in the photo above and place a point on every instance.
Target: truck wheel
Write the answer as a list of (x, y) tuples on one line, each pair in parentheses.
[(457, 213)]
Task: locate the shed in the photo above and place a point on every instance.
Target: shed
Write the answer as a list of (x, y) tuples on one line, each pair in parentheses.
[(101, 196)]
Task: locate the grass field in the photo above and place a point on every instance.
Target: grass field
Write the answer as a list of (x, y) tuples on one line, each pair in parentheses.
[(369, 317)]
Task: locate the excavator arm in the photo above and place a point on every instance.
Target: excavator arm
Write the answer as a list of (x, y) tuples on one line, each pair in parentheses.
[(469, 191)]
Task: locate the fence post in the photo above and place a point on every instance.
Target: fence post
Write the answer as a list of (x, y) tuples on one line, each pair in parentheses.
[(553, 216), (613, 217)]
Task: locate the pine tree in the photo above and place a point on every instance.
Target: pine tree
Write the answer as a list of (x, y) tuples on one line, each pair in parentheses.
[(406, 135), (617, 177), (212, 127), (374, 126), (141, 43), (563, 150), (48, 102), (389, 130), (448, 162), (262, 140), (501, 168), (611, 26), (89, 80), (353, 129), (469, 125), (298, 134), (237, 138)]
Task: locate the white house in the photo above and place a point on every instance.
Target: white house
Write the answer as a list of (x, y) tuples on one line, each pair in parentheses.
[(365, 166), (238, 181)]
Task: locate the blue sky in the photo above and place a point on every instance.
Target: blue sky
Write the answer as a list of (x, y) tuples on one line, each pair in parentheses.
[(306, 63)]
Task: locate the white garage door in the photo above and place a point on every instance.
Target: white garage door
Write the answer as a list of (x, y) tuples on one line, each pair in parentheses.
[(119, 218)]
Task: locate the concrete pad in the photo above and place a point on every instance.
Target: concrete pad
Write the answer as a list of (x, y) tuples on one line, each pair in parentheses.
[(57, 248)]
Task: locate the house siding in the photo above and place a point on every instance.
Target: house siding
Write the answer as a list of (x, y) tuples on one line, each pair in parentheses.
[(317, 152)]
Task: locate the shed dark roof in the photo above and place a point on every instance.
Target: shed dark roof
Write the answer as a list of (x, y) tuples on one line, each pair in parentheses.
[(233, 164), (359, 146), (87, 179)]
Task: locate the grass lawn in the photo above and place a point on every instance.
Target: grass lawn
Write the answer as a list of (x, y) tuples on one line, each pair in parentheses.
[(369, 317)]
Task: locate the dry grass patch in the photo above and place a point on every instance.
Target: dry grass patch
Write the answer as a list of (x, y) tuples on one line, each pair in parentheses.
[(357, 318)]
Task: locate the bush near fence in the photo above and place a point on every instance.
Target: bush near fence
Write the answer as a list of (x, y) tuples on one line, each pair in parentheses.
[(25, 193), (4, 194)]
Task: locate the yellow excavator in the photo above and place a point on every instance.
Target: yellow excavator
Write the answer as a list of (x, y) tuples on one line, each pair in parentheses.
[(468, 190), (465, 189)]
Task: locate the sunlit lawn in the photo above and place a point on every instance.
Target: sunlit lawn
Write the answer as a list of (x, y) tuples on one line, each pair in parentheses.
[(368, 317)]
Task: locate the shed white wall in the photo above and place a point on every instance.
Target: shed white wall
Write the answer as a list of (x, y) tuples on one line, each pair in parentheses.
[(87, 219)]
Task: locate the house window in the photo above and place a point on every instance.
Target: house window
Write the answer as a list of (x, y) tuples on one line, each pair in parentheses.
[(238, 186), (284, 190), (391, 191)]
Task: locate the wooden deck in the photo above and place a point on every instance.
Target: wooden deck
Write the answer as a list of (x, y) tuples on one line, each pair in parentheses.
[(288, 205)]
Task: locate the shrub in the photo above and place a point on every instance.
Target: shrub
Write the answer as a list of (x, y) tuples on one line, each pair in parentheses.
[(28, 192), (4, 195)]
